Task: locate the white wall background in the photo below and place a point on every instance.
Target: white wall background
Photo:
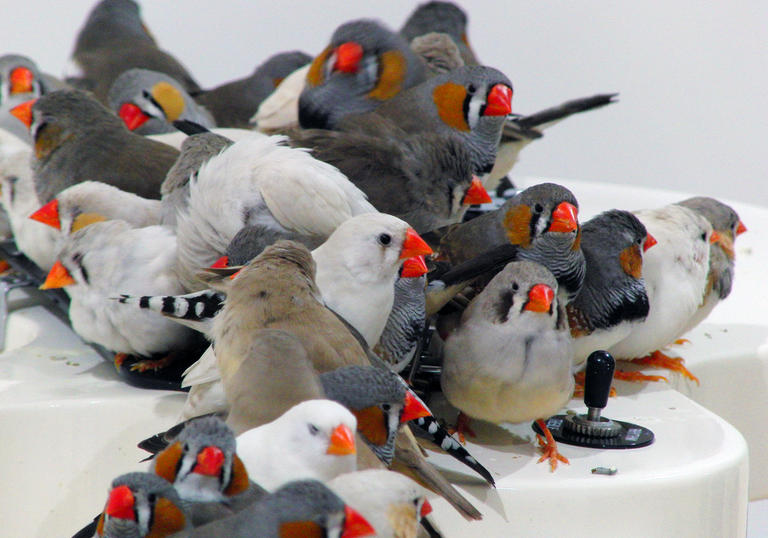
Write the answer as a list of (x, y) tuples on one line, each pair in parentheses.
[(693, 76)]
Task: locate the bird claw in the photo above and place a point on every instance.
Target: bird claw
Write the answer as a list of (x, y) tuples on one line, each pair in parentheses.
[(462, 427), (151, 364), (549, 448), (660, 360), (119, 360), (637, 377), (681, 341)]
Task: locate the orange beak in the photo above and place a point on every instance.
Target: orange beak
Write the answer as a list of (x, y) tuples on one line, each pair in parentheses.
[(355, 524), (23, 112), (741, 228), (120, 503), (564, 218), (414, 245), (476, 193), (414, 267), (233, 275), (21, 80), (426, 508), (413, 409), (540, 298), (649, 242), (348, 56), (342, 441), (715, 237), (48, 214), (58, 277), (499, 101), (209, 461), (221, 263), (132, 116)]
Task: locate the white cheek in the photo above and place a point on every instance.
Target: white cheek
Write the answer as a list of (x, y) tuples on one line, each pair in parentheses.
[(473, 114)]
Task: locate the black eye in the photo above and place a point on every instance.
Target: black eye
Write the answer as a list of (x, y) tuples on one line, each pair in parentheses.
[(704, 236), (471, 89), (538, 208), (313, 429), (386, 407), (515, 287), (14, 179), (146, 94), (385, 239)]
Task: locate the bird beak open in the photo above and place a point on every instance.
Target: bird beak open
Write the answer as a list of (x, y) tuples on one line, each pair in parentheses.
[(413, 409), (23, 112), (564, 218), (499, 101), (48, 214), (414, 267), (426, 508), (21, 80), (342, 441), (132, 116), (741, 228), (715, 237), (476, 193), (120, 503), (58, 277), (209, 461), (414, 245), (348, 56), (649, 242), (221, 262), (355, 524), (539, 298)]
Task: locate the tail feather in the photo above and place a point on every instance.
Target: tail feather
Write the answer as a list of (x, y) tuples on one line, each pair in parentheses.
[(195, 310), (574, 106)]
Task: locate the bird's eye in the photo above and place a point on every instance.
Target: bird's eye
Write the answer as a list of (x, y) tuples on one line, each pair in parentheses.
[(471, 89), (538, 208), (313, 429), (704, 236), (386, 407), (515, 286), (385, 239)]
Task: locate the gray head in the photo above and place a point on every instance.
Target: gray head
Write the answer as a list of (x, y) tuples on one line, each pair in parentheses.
[(444, 17), (140, 504), (471, 102), (112, 20), (196, 150), (438, 51), (364, 65), (279, 66)]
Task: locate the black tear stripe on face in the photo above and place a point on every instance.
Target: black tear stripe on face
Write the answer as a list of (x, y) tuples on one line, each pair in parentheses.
[(532, 225), (507, 300), (78, 259)]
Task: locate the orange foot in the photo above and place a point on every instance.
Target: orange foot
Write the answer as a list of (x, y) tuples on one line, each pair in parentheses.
[(681, 341), (549, 447), (4, 266), (578, 387), (119, 360), (152, 364), (637, 377), (462, 427), (660, 360)]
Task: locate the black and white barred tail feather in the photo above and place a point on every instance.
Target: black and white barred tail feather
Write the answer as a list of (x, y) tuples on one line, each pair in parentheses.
[(431, 429), (194, 310)]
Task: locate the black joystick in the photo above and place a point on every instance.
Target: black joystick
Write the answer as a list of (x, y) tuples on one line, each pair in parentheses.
[(592, 430)]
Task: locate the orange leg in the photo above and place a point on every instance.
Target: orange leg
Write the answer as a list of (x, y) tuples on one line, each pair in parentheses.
[(660, 360), (462, 427), (4, 266), (119, 360), (637, 377), (152, 364), (578, 388), (549, 447)]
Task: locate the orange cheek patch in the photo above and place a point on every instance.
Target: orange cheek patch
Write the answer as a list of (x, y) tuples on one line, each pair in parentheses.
[(449, 99), (632, 261), (167, 461), (517, 223), (391, 75), (100, 525), (371, 423), (315, 74), (301, 529), (239, 482), (168, 519)]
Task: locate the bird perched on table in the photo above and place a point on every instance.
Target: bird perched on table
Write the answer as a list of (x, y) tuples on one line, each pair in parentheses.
[(236, 189), (675, 274), (107, 257), (149, 102), (725, 221), (114, 39), (443, 17), (77, 139), (394, 504), (612, 301), (364, 65), (313, 440), (301, 508), (234, 103), (510, 358), (142, 505)]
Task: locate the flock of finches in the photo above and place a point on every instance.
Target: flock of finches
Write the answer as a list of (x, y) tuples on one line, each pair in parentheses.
[(309, 221)]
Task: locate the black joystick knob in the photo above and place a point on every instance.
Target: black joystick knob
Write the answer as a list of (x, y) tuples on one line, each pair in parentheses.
[(598, 377)]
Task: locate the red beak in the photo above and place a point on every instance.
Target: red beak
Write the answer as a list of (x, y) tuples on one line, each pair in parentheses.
[(499, 101), (21, 80), (540, 298), (414, 267), (413, 409), (132, 116), (48, 214), (414, 245), (355, 524), (715, 237), (564, 218), (58, 277), (649, 242), (426, 508), (476, 193), (120, 503), (209, 461), (348, 56), (741, 228), (342, 441), (23, 112), (221, 262)]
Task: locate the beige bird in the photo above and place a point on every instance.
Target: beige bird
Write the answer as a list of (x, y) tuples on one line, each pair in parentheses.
[(280, 110)]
